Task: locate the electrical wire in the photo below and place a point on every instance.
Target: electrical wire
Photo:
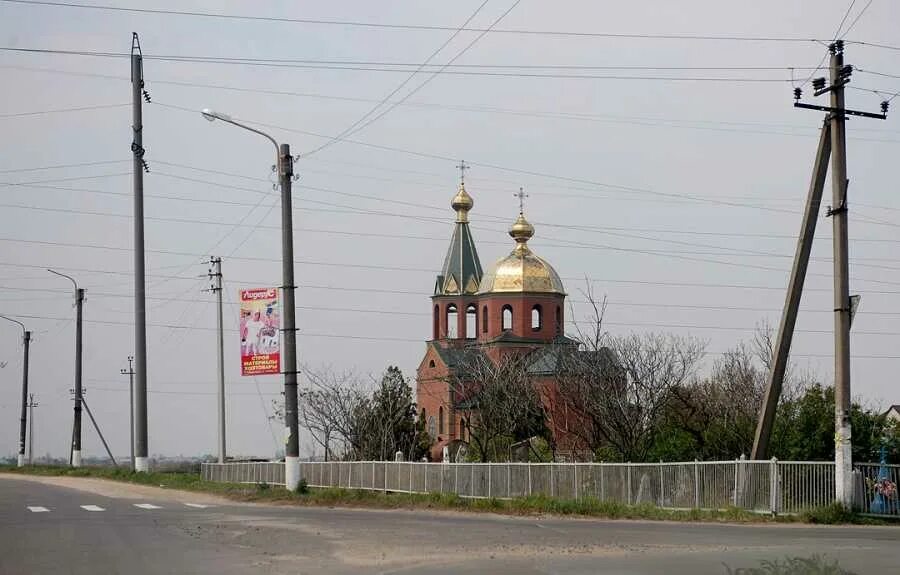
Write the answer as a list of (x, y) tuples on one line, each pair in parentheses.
[(394, 26), (62, 110)]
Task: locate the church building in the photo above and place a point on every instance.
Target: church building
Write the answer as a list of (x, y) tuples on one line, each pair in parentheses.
[(518, 305)]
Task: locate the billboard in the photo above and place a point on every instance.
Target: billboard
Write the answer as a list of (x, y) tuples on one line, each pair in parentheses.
[(259, 329)]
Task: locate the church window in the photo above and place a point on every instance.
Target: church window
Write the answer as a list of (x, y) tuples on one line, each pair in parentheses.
[(471, 321), (431, 363), (463, 428), (432, 428), (484, 319), (441, 420), (507, 317), (559, 325), (536, 319), (437, 322), (452, 323)]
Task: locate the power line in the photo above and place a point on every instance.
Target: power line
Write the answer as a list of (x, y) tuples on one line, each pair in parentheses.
[(61, 166), (855, 20), (394, 26), (62, 110), (349, 129)]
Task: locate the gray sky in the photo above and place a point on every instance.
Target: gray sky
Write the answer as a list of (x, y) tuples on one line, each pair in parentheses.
[(613, 162)]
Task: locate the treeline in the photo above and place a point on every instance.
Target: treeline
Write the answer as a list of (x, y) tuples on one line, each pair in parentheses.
[(597, 397)]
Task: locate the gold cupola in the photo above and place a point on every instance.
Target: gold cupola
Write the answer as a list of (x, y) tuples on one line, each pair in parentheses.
[(462, 202), (521, 271)]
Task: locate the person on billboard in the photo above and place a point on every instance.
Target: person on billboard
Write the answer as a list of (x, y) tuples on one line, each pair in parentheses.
[(254, 327)]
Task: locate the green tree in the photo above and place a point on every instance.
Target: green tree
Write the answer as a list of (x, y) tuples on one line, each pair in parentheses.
[(387, 422)]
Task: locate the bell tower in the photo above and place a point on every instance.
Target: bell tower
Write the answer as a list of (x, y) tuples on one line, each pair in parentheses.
[(454, 304)]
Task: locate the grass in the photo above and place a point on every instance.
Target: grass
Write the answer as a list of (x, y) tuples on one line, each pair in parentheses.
[(534, 505)]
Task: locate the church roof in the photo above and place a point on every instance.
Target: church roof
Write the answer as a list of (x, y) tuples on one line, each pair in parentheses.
[(461, 272)]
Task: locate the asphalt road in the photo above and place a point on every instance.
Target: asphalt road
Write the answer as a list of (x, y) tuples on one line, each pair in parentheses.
[(52, 529)]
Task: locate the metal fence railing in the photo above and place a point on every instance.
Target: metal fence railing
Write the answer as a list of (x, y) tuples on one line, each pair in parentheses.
[(758, 486)]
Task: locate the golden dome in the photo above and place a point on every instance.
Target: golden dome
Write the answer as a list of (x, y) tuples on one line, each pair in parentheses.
[(462, 202), (521, 270)]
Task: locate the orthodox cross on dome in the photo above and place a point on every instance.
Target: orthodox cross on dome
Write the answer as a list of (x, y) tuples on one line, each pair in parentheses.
[(462, 167), (521, 195)]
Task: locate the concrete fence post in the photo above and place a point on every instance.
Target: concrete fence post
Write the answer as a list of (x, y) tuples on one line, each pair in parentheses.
[(734, 493), (661, 498), (773, 486), (696, 485), (576, 479), (628, 481), (489, 480), (529, 481)]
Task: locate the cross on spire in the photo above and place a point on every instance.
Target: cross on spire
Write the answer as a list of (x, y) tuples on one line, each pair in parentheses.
[(462, 167), (521, 195)]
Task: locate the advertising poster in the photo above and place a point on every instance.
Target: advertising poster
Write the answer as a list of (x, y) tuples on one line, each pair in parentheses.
[(259, 328)]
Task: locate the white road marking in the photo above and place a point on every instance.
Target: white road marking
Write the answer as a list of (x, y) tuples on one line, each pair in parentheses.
[(36, 509), (92, 508), (147, 506), (197, 505)]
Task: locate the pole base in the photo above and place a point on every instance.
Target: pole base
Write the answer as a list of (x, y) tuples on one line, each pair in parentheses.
[(76, 458), (291, 473), (21, 461), (142, 464)]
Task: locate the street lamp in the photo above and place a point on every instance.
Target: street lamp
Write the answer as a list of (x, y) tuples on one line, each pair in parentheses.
[(26, 340), (76, 428), (284, 165)]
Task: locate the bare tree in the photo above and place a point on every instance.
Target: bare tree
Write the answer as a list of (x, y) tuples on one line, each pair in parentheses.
[(499, 402), (619, 386), (328, 407)]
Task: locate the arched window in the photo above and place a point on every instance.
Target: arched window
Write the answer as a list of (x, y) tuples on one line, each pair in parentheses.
[(471, 321), (559, 323), (536, 320), (506, 317), (441, 420), (431, 363), (423, 414), (437, 322), (463, 428), (452, 323), (484, 319)]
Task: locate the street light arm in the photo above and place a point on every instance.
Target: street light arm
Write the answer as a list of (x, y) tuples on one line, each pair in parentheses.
[(70, 278), (22, 325), (248, 128)]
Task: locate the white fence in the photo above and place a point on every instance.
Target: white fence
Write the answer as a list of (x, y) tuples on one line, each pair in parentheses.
[(759, 486)]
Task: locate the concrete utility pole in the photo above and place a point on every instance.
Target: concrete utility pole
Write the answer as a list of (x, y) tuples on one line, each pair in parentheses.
[(130, 373), (23, 420), (792, 300), (215, 273), (284, 164), (141, 462), (76, 435), (843, 305), (31, 405)]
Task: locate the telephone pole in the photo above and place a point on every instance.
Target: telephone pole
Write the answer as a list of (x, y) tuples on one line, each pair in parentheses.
[(23, 420), (76, 435), (833, 138), (130, 373), (31, 405), (215, 274), (141, 463)]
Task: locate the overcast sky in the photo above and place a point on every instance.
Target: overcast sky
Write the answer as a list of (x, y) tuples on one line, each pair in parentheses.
[(679, 199)]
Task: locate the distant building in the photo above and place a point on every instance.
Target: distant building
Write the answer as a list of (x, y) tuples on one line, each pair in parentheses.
[(893, 413), (518, 306)]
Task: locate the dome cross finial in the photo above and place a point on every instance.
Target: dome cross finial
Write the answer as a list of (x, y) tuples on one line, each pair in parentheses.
[(462, 167), (521, 195)]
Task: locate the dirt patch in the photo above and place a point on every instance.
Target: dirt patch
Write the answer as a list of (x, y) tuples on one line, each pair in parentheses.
[(122, 490)]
